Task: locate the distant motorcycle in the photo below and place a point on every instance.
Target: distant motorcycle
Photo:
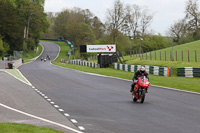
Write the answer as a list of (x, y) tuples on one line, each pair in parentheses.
[(48, 56), (140, 90), (42, 59), (45, 60)]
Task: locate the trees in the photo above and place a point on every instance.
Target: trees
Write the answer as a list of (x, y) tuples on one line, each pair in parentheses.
[(79, 33), (22, 20), (115, 19), (11, 23), (97, 27), (179, 29), (188, 28)]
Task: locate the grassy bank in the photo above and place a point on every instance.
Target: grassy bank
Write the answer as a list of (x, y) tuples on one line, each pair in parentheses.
[(23, 128), (183, 83), (32, 54), (180, 53)]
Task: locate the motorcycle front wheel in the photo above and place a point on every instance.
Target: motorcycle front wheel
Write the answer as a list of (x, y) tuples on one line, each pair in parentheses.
[(142, 97), (134, 98)]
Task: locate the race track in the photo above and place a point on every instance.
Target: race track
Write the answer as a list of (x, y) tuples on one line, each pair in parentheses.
[(104, 105)]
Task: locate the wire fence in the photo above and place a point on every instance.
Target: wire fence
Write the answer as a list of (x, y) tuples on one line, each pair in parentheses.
[(184, 56)]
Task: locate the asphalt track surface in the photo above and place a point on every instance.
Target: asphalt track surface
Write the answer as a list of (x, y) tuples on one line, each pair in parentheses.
[(104, 105), (19, 103)]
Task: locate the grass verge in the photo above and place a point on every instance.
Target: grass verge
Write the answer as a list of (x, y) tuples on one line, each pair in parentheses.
[(27, 57), (182, 83), (23, 128), (15, 73)]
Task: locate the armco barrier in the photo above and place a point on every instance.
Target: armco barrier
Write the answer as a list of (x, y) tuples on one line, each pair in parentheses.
[(189, 72), (83, 63), (155, 70)]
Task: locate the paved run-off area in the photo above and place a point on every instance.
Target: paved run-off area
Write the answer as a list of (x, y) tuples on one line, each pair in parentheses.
[(20, 103)]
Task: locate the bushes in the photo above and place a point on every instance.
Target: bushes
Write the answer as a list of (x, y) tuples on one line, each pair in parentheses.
[(1, 48), (4, 47)]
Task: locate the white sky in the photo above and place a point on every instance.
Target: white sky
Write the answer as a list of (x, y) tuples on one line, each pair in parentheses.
[(166, 11)]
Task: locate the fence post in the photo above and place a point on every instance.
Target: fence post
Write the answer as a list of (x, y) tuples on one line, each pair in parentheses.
[(136, 53), (160, 55), (150, 55), (195, 56), (146, 55), (170, 55), (142, 55), (188, 56), (182, 56)]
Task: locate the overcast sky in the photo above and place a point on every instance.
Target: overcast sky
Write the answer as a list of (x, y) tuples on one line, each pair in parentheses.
[(166, 11)]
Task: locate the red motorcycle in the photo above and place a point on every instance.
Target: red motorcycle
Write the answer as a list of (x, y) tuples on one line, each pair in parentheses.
[(141, 88)]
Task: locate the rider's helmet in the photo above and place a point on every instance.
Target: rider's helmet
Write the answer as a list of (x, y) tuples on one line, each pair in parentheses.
[(142, 70)]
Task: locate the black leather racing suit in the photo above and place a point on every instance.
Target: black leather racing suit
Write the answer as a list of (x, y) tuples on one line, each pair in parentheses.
[(136, 75)]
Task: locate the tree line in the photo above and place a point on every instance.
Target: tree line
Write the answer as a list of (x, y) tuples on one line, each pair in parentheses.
[(126, 25), (21, 24), (187, 29)]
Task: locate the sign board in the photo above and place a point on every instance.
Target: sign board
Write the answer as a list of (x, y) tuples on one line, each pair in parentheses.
[(101, 48)]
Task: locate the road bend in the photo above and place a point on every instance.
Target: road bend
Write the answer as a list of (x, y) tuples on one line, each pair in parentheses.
[(104, 105)]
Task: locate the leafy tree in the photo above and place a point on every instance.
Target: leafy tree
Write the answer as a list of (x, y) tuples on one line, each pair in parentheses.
[(1, 47), (11, 25), (79, 33), (18, 16), (97, 27)]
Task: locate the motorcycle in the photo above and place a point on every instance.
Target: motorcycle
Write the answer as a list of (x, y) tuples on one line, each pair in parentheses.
[(140, 90)]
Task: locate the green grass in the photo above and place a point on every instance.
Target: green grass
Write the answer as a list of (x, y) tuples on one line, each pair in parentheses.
[(182, 83), (31, 54), (172, 64), (23, 128), (177, 50), (191, 47), (63, 53), (16, 73)]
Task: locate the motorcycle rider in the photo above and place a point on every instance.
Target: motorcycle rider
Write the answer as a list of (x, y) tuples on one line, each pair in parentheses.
[(138, 73), (48, 56)]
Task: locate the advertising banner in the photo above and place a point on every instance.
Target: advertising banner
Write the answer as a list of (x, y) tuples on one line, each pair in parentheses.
[(101, 48)]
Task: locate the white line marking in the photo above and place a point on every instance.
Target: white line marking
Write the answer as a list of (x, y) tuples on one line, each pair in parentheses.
[(52, 102), (73, 120), (56, 106), (130, 80), (58, 52), (48, 99), (39, 118), (61, 110), (36, 57), (66, 114), (81, 128), (25, 78), (45, 97), (33, 87), (28, 83)]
